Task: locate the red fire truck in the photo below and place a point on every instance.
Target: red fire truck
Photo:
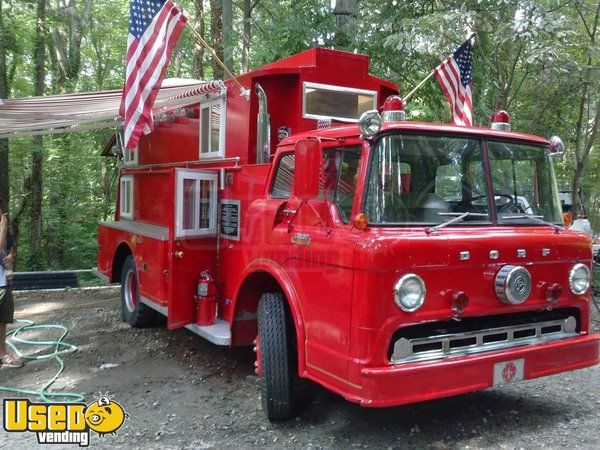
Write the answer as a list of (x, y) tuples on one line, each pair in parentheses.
[(389, 260)]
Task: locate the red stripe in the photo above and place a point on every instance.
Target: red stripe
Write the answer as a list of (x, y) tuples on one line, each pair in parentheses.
[(145, 117), (442, 75), (458, 94), (464, 96), (458, 109), (131, 50)]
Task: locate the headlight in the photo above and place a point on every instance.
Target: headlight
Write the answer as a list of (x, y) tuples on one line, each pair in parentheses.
[(579, 279), (409, 292), (369, 122)]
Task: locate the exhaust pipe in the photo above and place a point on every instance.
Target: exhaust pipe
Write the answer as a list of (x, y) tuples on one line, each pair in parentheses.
[(263, 127)]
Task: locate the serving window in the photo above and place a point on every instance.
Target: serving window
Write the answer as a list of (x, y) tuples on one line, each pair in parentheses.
[(324, 101), (196, 203)]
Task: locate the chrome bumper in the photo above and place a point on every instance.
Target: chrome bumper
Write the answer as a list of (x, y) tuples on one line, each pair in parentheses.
[(467, 343)]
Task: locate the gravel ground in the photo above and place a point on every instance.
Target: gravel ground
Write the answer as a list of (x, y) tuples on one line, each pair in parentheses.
[(183, 392)]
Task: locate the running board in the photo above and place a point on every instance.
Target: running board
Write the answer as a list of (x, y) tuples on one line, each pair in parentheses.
[(218, 334), (161, 309)]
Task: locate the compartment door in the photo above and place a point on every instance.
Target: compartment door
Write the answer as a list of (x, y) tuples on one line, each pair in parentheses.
[(193, 247)]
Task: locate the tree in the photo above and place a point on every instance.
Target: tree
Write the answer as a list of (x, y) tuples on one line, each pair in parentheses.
[(345, 15), (216, 30), (247, 7), (67, 33), (37, 153), (588, 111), (198, 48), (4, 92)]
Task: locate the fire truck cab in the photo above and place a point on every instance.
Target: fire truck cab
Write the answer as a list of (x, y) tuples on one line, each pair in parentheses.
[(391, 261)]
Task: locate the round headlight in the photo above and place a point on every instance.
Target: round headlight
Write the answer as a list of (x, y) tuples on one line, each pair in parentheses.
[(579, 279), (409, 292), (370, 122)]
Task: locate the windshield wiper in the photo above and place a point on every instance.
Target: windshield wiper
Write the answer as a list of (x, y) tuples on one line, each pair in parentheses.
[(456, 217), (533, 217)]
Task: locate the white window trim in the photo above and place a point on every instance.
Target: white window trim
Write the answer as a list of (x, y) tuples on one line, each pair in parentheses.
[(220, 153), (134, 152), (122, 213), (333, 88), (197, 175)]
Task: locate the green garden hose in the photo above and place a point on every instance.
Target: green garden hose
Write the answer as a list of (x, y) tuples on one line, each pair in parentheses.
[(61, 348)]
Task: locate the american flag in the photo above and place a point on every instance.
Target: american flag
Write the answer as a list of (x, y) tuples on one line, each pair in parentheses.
[(455, 76), (154, 27)]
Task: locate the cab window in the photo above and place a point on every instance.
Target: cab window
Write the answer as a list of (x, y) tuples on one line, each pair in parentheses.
[(338, 185)]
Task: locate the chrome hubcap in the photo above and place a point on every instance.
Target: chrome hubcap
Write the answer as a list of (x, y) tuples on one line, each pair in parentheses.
[(130, 291)]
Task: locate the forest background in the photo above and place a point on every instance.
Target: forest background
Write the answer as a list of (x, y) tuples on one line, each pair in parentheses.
[(540, 60)]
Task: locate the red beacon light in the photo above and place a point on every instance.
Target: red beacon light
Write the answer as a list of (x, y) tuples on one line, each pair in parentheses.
[(393, 109), (500, 121)]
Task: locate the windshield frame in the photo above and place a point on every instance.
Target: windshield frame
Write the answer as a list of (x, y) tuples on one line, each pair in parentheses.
[(493, 218)]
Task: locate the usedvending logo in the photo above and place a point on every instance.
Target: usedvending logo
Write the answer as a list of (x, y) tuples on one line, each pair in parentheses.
[(64, 423)]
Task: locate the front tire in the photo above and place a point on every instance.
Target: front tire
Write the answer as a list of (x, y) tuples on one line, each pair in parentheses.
[(276, 353), (133, 311)]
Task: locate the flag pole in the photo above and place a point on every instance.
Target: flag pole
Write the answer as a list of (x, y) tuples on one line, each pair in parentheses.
[(244, 92), (418, 86)]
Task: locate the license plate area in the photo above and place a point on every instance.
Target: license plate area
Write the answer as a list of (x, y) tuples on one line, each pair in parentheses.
[(509, 371)]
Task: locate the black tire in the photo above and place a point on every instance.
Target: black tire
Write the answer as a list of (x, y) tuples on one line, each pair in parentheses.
[(133, 311), (276, 352)]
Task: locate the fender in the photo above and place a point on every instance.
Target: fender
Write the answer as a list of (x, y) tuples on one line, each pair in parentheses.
[(286, 284)]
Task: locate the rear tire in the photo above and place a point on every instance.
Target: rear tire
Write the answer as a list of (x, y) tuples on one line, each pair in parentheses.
[(133, 311), (276, 357)]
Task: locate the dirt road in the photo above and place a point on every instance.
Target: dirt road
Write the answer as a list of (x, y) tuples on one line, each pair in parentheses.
[(183, 392)]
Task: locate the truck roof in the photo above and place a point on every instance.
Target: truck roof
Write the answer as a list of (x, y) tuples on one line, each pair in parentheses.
[(345, 131)]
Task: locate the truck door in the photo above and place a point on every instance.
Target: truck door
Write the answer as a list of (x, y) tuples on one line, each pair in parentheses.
[(193, 247), (321, 256)]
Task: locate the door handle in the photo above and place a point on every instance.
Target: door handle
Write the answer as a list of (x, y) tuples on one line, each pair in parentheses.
[(301, 239)]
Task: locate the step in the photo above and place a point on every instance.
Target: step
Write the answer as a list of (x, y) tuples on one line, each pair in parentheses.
[(218, 334)]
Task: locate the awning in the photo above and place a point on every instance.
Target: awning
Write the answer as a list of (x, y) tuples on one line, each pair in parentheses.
[(54, 114)]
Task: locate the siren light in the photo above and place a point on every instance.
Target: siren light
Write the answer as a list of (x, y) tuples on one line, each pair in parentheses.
[(393, 109), (500, 121)]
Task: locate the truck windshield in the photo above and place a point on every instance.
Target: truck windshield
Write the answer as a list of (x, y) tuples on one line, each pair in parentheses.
[(426, 180), (430, 179), (524, 183)]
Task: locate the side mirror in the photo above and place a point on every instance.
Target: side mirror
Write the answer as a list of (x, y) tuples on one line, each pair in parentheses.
[(557, 148), (307, 173)]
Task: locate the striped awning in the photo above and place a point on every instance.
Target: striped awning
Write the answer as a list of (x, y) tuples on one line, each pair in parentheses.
[(54, 114)]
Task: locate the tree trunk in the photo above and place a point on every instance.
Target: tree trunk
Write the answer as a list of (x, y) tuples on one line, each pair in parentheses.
[(66, 42), (4, 167), (199, 49), (37, 155), (246, 35), (345, 19), (227, 31), (216, 30)]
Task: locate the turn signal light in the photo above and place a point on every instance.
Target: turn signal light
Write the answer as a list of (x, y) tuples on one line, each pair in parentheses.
[(360, 221), (460, 300)]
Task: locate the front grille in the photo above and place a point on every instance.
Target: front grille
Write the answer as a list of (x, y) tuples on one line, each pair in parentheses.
[(476, 335)]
